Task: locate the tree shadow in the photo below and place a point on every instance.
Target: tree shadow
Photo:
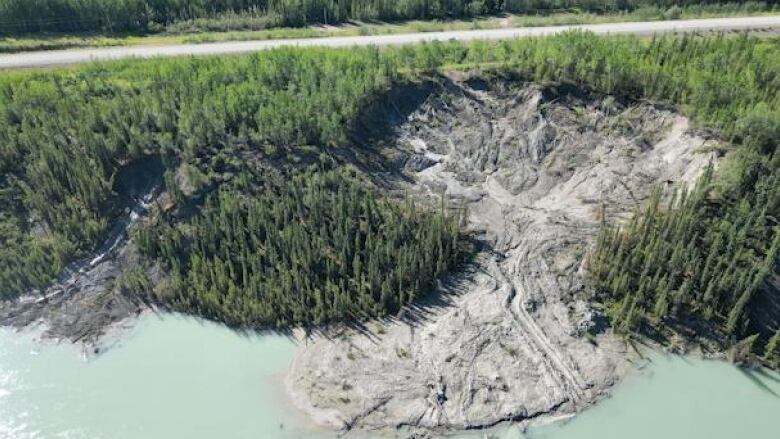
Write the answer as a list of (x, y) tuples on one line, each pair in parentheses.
[(764, 312), (757, 378), (766, 375)]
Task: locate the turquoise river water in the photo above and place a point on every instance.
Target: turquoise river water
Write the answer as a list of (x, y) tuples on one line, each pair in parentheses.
[(175, 377)]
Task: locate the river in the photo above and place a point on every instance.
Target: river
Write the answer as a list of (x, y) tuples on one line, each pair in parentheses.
[(176, 377)]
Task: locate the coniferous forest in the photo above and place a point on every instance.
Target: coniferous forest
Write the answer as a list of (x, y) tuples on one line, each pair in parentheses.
[(695, 257), (314, 248), (64, 137), (709, 254), (117, 16)]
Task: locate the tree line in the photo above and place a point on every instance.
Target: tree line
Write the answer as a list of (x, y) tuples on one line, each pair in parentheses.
[(114, 16), (310, 248)]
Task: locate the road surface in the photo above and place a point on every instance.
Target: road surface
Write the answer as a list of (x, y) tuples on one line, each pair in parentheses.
[(62, 57)]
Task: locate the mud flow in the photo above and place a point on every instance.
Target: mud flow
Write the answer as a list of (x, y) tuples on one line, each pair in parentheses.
[(513, 337)]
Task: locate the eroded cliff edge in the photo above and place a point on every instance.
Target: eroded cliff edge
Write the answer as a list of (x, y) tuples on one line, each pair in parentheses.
[(513, 337)]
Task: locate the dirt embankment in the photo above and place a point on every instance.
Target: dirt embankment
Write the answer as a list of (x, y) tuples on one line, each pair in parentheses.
[(512, 338), (86, 300)]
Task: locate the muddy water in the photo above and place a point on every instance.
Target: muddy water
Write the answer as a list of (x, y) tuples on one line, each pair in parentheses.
[(168, 378), (176, 377)]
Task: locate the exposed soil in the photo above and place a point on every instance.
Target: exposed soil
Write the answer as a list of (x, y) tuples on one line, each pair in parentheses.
[(82, 306), (512, 338), (85, 301)]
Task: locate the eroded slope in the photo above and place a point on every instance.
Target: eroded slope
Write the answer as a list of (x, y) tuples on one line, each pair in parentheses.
[(536, 168)]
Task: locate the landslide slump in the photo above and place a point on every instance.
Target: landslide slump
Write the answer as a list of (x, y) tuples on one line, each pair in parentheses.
[(513, 337)]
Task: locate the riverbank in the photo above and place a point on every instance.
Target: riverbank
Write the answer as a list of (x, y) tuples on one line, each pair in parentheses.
[(211, 382), (695, 398), (512, 338)]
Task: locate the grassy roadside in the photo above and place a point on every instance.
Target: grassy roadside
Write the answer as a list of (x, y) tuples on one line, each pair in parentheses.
[(60, 41)]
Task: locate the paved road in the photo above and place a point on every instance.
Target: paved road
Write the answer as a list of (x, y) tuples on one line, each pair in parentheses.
[(61, 57)]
